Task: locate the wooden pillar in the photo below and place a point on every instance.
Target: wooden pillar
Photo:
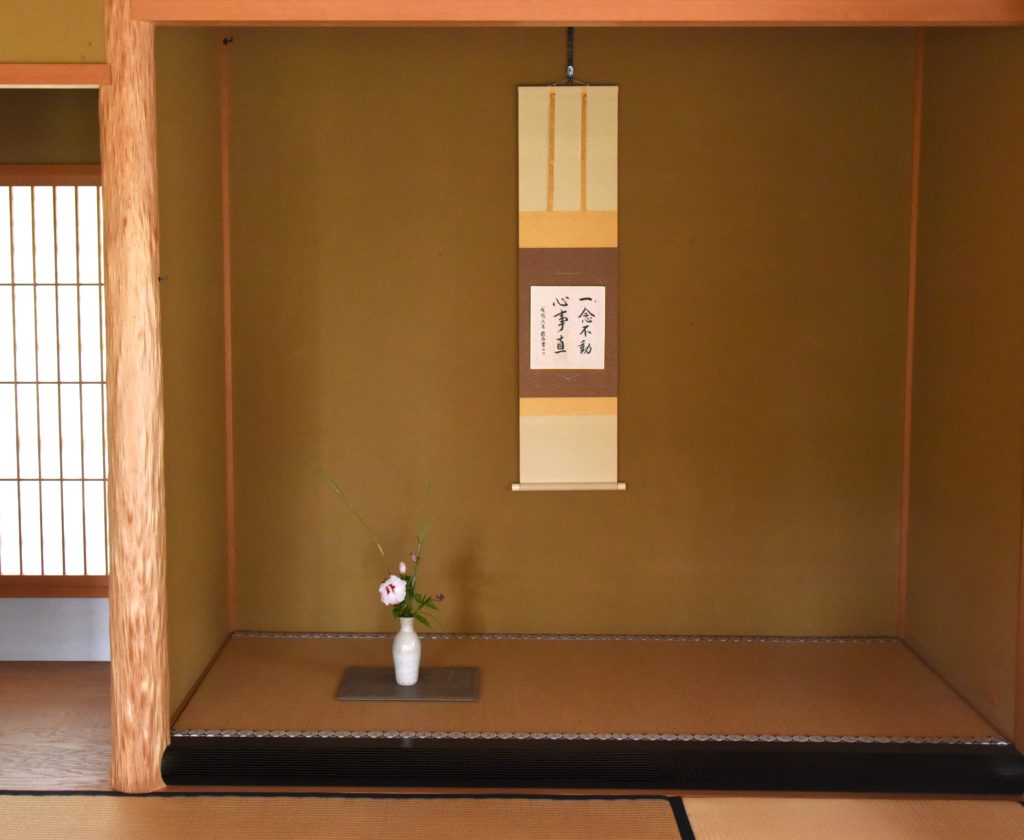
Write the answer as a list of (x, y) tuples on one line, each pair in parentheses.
[(135, 496)]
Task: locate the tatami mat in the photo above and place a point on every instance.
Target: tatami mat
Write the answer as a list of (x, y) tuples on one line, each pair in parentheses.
[(864, 688), (771, 818), (382, 817), (330, 818)]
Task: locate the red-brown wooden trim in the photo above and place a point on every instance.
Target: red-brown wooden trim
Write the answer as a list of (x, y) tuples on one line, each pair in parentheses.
[(1018, 718), (54, 75), (908, 380), (49, 174), (585, 12), (54, 586), (224, 95)]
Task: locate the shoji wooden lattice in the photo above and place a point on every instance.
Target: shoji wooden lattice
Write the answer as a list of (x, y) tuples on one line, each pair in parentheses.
[(53, 458)]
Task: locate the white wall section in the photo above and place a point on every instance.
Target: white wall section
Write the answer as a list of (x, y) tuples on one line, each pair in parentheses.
[(54, 629)]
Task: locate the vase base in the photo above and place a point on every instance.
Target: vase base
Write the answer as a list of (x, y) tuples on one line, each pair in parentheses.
[(434, 684)]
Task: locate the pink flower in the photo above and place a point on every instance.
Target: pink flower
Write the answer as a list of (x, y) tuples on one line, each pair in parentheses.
[(392, 591), (414, 558), (401, 568)]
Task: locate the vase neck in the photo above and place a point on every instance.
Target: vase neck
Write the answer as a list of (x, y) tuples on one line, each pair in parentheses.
[(407, 624)]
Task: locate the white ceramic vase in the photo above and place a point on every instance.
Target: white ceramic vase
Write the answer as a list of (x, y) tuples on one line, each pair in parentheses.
[(405, 650)]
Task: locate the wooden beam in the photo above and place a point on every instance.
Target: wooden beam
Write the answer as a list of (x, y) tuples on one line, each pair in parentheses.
[(585, 12), (54, 75), (50, 174), (53, 586), (138, 614)]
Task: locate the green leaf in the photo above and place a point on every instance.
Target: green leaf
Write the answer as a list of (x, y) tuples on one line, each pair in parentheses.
[(430, 605), (421, 619)]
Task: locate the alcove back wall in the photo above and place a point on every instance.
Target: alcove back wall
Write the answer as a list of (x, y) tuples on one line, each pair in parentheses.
[(764, 206)]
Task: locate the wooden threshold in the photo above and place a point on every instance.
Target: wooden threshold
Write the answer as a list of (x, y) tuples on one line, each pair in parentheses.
[(585, 12), (54, 586), (54, 75)]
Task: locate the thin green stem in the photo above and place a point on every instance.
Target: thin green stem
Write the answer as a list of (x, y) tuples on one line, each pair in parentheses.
[(351, 507)]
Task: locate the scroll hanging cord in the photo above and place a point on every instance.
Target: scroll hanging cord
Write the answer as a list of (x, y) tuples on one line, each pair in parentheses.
[(569, 69), (570, 66)]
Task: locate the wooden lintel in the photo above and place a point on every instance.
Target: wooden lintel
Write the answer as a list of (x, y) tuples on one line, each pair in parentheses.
[(135, 498), (584, 12), (53, 586), (54, 75), (50, 174)]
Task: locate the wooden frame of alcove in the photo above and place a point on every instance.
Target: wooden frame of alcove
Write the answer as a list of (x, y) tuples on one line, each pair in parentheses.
[(128, 149)]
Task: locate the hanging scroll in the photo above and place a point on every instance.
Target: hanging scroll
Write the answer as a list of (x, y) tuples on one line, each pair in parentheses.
[(568, 287)]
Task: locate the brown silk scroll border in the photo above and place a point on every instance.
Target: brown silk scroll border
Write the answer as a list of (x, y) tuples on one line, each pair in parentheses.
[(570, 267)]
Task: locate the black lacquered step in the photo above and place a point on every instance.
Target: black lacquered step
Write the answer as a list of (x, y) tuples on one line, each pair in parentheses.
[(467, 762)]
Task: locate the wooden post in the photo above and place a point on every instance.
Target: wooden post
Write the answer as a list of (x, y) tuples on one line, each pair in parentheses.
[(135, 497)]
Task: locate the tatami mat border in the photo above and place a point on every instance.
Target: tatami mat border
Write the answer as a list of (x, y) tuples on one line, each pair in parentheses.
[(590, 736), (548, 637), (344, 794)]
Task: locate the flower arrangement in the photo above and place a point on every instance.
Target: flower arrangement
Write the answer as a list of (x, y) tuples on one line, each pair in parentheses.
[(398, 591)]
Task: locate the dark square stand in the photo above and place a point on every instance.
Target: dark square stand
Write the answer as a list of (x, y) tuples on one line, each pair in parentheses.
[(435, 684)]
